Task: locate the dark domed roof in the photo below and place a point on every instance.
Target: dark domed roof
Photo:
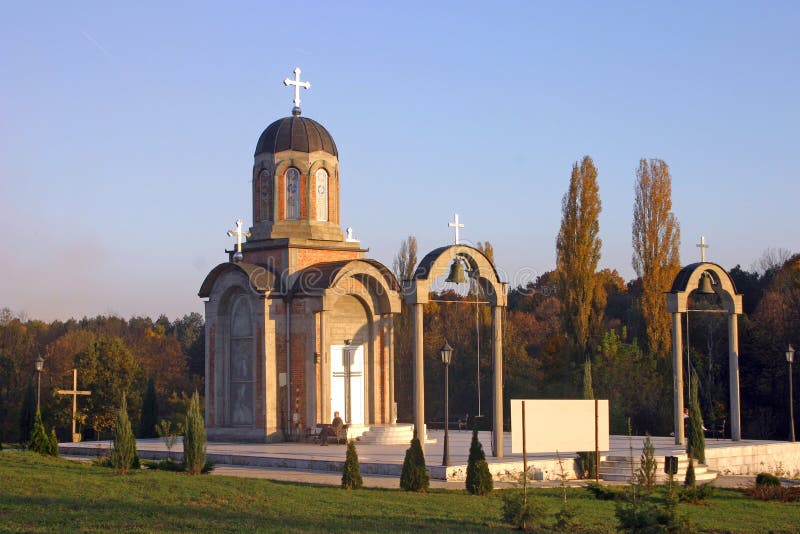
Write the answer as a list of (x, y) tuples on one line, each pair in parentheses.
[(296, 133)]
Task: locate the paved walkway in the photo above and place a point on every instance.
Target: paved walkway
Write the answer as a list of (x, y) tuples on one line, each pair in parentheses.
[(335, 479)]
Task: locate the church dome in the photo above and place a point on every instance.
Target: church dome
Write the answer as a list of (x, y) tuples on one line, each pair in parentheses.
[(295, 133)]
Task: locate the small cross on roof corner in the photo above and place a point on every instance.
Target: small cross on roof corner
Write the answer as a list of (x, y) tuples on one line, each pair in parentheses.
[(238, 233)]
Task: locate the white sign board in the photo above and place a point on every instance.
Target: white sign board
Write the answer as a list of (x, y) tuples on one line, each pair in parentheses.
[(558, 425)]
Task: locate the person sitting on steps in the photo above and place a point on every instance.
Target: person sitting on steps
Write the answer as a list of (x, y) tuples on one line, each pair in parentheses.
[(333, 430)]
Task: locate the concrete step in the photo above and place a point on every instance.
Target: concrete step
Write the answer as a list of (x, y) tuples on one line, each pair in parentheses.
[(398, 434), (618, 468)]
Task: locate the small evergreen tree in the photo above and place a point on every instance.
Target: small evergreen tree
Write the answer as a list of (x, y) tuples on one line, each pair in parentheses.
[(27, 414), (194, 439), (479, 479), (415, 473), (149, 420), (123, 449), (648, 465), (53, 443), (696, 440), (39, 440), (351, 474), (690, 482)]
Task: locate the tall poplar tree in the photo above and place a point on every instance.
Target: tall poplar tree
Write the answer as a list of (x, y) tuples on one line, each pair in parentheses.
[(656, 238), (577, 255)]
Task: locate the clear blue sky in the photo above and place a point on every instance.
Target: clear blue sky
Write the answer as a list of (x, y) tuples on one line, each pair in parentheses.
[(127, 131)]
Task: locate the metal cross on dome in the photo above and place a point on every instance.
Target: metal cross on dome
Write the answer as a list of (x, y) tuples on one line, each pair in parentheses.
[(239, 234), (297, 85), (702, 246), (455, 224)]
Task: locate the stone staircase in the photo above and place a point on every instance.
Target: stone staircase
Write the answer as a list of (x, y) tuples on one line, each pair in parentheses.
[(397, 434), (618, 469)]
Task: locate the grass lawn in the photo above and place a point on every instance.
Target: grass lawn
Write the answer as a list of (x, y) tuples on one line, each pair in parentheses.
[(56, 495)]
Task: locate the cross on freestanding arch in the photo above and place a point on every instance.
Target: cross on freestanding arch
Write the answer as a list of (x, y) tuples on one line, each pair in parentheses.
[(702, 246), (297, 85), (74, 392), (239, 234), (455, 224)]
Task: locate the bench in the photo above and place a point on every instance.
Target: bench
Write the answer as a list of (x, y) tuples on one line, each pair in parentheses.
[(313, 434), (458, 422)]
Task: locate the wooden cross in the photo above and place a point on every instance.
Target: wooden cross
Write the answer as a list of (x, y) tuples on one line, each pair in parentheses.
[(74, 392), (239, 234), (297, 85), (702, 246), (455, 224)]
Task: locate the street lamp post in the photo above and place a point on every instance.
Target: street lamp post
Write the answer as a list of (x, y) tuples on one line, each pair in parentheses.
[(790, 359), (446, 352), (38, 362)]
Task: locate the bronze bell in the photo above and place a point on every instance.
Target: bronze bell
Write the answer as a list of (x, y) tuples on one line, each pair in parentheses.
[(704, 288), (456, 275)]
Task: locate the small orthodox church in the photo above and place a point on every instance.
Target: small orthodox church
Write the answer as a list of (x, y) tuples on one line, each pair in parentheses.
[(299, 322)]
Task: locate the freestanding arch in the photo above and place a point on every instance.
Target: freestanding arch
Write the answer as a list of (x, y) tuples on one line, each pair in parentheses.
[(416, 293), (686, 281)]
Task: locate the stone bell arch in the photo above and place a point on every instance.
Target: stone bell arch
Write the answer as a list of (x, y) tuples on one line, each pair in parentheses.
[(687, 280), (416, 293)]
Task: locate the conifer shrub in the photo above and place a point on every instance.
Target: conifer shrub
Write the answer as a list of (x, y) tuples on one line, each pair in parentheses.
[(520, 509), (479, 479), (123, 448), (27, 414), (414, 476), (767, 479), (53, 443), (149, 419), (585, 468), (39, 440), (194, 439), (690, 482), (351, 473), (647, 465), (604, 493), (695, 439)]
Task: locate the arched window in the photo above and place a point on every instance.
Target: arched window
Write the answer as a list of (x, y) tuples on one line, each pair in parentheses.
[(322, 194), (265, 178), (241, 364), (292, 194)]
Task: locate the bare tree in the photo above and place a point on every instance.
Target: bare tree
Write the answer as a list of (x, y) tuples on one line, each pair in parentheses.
[(406, 259), (772, 259), (656, 259)]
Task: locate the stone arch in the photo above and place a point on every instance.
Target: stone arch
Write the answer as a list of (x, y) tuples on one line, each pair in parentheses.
[(416, 293), (686, 281), (229, 286), (374, 287)]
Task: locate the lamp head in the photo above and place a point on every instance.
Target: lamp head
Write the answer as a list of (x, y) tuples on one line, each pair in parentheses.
[(446, 352), (39, 363), (790, 354)]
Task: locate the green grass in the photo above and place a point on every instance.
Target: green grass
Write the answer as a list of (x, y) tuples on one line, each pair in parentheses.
[(40, 494)]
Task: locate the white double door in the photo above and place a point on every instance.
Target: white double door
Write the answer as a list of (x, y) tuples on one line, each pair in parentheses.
[(347, 383)]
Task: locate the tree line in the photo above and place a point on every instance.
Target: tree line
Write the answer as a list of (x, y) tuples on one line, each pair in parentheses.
[(156, 364)]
